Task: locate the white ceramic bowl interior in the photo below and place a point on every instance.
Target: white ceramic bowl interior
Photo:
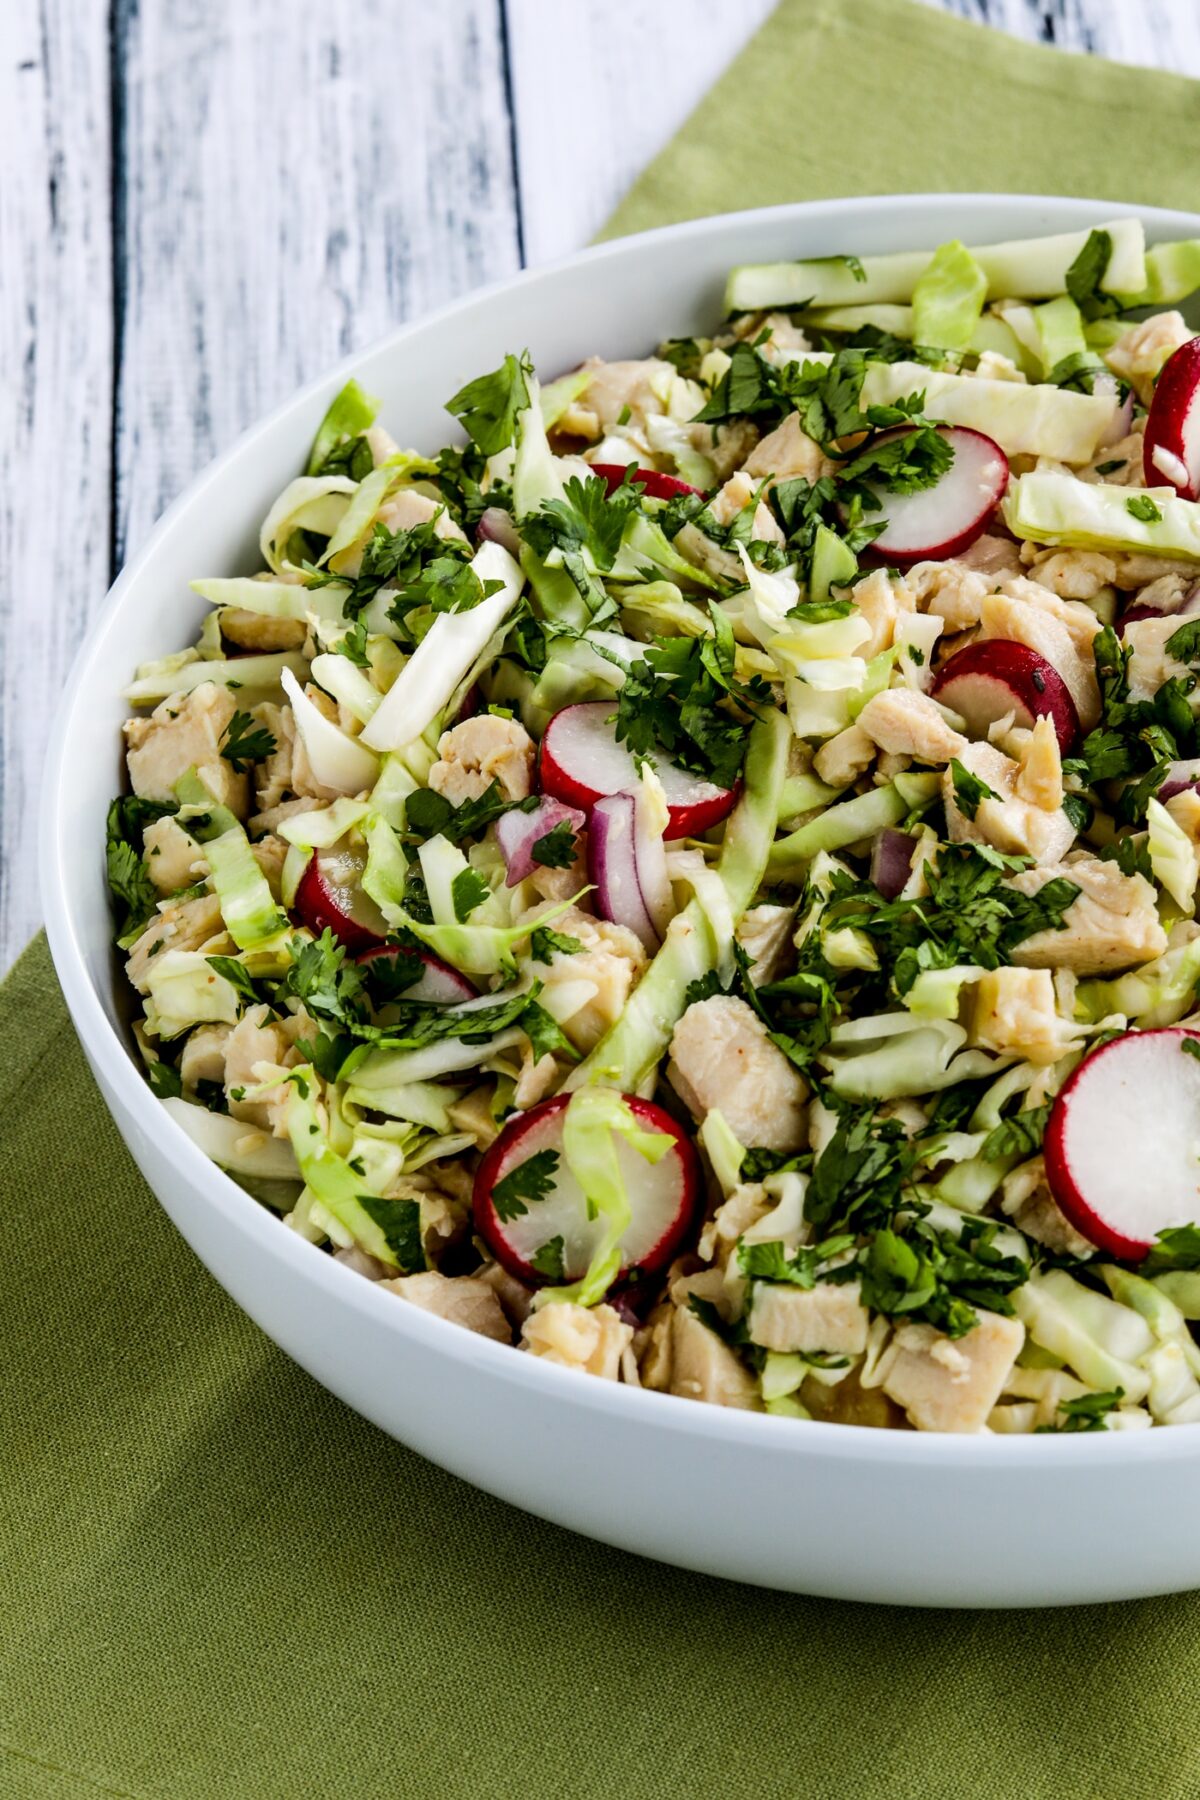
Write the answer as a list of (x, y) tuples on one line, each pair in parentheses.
[(823, 1509)]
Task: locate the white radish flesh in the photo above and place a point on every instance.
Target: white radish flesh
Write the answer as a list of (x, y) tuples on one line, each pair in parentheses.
[(581, 762), (330, 897), (994, 677), (939, 521), (437, 985), (664, 1196), (1122, 1145)]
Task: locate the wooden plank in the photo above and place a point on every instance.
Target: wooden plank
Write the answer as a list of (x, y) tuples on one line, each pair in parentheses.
[(298, 176), (598, 91), (55, 350), (1161, 34)]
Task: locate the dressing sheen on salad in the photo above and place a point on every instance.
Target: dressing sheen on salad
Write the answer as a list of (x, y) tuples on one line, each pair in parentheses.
[(696, 879)]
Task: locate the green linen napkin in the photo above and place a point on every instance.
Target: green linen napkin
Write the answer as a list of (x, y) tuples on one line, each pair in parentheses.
[(217, 1581)]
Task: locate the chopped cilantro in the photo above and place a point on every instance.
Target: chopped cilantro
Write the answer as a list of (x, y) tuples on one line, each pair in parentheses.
[(1087, 272), (488, 406), (557, 849), (400, 1223), (526, 1184), (547, 1259), (353, 645), (1088, 1413), (969, 790), (1111, 466), (468, 890), (1141, 506), (128, 878), (164, 1080), (237, 974), (546, 1035), (677, 698), (429, 814), (544, 943), (771, 1262), (245, 742), (352, 457), (1178, 1247), (1019, 1136)]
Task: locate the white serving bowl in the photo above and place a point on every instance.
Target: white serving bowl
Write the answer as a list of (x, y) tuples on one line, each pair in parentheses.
[(820, 1509)]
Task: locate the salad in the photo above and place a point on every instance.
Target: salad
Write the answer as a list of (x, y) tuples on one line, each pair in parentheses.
[(696, 878)]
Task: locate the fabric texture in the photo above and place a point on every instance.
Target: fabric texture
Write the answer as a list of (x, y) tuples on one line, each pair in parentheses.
[(217, 1581)]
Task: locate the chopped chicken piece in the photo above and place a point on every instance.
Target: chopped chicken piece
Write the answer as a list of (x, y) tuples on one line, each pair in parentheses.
[(786, 341), (996, 556), (951, 591), (409, 508), (722, 1057), (1015, 1015), (614, 386), (842, 759), (463, 1299), (183, 925), (174, 860), (1139, 355), (203, 1057), (952, 1384), (287, 770), (185, 732), (737, 493), (1168, 593), (786, 452), (257, 1051), (822, 1318), (765, 934), (993, 366), (586, 990), (259, 632), (906, 723), (1126, 454), (270, 853), (479, 751), (1023, 816), (514, 1297), (745, 1207), (362, 1264), (703, 1368), (1135, 570), (592, 1339), (1026, 1199), (1112, 924), (1060, 630), (1073, 574), (877, 597), (1151, 663)]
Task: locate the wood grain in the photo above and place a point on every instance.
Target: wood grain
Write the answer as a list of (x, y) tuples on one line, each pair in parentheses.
[(205, 202), (56, 355)]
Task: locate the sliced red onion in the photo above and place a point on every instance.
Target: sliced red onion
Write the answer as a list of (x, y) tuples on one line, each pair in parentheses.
[(891, 861), (1180, 777), (518, 832), (496, 527), (650, 854), (612, 864)]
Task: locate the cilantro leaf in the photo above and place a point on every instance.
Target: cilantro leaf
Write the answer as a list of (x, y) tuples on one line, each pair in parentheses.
[(1020, 1135), (557, 849), (488, 406), (548, 1259), (237, 974), (858, 1178), (546, 1035), (400, 1223), (1141, 506), (771, 1262), (128, 877), (429, 814), (165, 1083), (352, 457), (468, 890), (969, 790), (1088, 1413), (320, 975), (245, 742), (679, 698), (353, 645), (1184, 644), (1087, 272), (587, 518), (544, 943), (1178, 1247), (525, 1185), (903, 463)]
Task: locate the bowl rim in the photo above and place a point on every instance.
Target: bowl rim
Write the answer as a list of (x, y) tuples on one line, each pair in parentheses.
[(341, 1287)]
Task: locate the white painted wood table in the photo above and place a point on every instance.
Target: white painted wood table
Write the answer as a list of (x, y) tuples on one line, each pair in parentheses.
[(205, 202)]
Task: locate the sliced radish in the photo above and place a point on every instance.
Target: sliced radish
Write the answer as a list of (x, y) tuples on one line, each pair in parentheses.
[(664, 1195), (330, 896), (1122, 1144), (613, 867), (891, 861), (1186, 607), (939, 521), (656, 486), (518, 832), (496, 527), (581, 761), (994, 676), (1171, 446), (437, 985)]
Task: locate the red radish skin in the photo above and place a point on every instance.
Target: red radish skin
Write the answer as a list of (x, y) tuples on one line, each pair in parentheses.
[(613, 867), (437, 985), (942, 520), (995, 676), (1171, 445), (329, 897), (1122, 1144), (581, 761), (656, 486), (665, 1195)]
